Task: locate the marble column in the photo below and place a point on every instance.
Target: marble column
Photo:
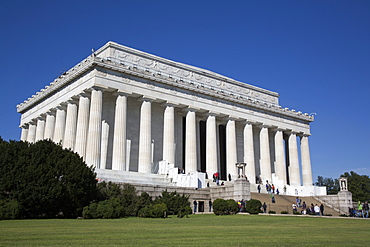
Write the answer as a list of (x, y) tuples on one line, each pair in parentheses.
[(40, 128), (191, 142), (93, 147), (211, 145), (49, 125), (82, 125), (231, 152), (104, 144), (71, 124), (250, 169), (306, 161), (60, 122), (169, 133), (265, 159), (294, 173), (280, 164), (24, 132), (31, 132), (145, 139), (119, 138)]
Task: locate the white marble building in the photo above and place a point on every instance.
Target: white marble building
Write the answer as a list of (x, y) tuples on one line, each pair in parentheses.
[(126, 111)]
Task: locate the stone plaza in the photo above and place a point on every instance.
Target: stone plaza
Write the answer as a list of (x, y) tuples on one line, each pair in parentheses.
[(146, 120)]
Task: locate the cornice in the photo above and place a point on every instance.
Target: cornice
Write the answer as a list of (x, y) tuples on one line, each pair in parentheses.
[(199, 84)]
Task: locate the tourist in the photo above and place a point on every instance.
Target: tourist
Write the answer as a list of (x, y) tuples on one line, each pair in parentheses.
[(210, 205), (240, 206), (272, 198), (312, 208), (195, 203), (317, 210), (322, 209), (284, 190), (222, 184), (273, 188), (304, 207), (365, 210), (229, 177), (359, 209), (264, 206), (277, 191), (294, 207), (259, 188), (297, 201)]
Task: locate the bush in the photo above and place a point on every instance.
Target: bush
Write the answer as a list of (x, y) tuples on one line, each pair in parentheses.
[(9, 210), (154, 211), (297, 213), (284, 212), (272, 212), (176, 204), (253, 206), (232, 206), (108, 209), (220, 207), (225, 207)]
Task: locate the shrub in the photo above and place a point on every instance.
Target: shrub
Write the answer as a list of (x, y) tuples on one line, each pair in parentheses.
[(232, 206), (154, 211), (253, 206), (108, 209), (272, 212), (284, 212), (9, 210), (176, 204), (297, 213), (220, 207)]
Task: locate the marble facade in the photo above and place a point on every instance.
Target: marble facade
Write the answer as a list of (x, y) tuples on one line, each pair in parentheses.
[(126, 110)]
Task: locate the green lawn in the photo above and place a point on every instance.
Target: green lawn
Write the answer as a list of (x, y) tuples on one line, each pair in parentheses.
[(197, 230)]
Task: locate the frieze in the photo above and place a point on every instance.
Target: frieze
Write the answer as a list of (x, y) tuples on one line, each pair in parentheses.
[(171, 73)]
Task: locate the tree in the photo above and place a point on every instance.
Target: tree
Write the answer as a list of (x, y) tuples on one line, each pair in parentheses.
[(44, 179), (358, 185), (176, 204), (332, 185)]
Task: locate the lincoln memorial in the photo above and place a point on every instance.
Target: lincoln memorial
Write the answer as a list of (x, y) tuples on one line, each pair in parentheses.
[(137, 117)]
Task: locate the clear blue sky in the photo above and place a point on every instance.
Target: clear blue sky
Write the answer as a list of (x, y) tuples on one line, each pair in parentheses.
[(314, 53)]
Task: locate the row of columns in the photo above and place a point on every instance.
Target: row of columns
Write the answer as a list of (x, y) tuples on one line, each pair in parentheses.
[(77, 124)]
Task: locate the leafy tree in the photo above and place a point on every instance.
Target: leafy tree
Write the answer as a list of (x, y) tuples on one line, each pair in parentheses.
[(359, 185), (176, 204), (44, 179), (332, 185)]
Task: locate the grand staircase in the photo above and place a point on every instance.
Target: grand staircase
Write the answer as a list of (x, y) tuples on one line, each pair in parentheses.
[(284, 203)]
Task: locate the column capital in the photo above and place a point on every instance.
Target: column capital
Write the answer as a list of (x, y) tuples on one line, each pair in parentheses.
[(232, 118), (302, 134), (61, 106), (191, 109), (247, 121), (168, 103), (291, 132), (71, 101), (24, 125), (147, 98), (97, 87), (41, 117), (122, 93)]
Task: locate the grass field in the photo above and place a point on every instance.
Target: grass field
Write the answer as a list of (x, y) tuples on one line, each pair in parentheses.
[(197, 230)]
